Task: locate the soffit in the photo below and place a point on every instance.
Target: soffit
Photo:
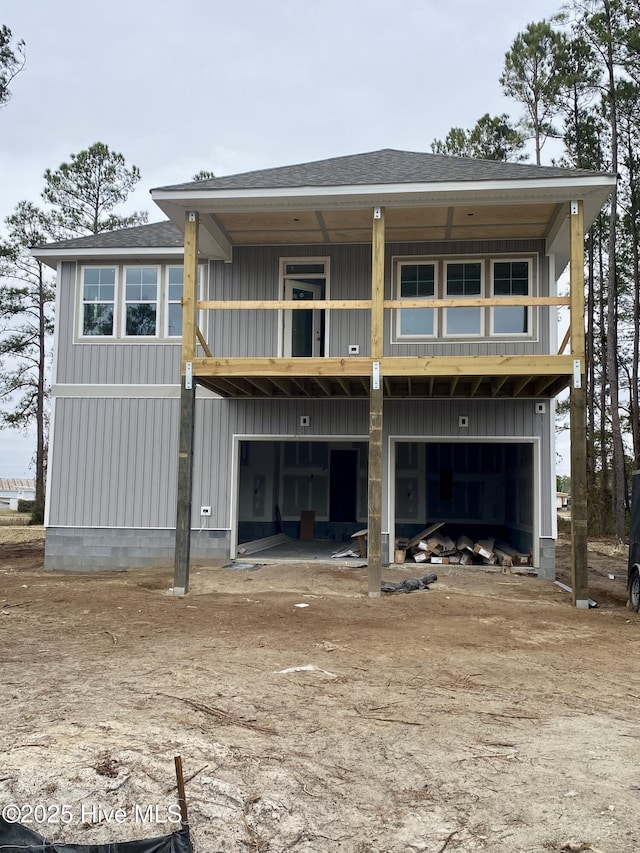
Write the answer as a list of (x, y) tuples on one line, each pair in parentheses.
[(465, 222)]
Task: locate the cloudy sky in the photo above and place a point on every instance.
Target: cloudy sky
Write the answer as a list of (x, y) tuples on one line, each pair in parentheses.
[(234, 86)]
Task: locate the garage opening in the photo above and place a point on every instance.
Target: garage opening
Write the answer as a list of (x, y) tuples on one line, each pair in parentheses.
[(311, 491), (478, 489)]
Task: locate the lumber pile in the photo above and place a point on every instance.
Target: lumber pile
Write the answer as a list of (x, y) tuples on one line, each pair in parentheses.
[(432, 546)]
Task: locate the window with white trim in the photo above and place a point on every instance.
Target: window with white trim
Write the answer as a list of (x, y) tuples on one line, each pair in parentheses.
[(416, 280), (141, 302), (510, 278), (121, 301), (98, 301), (479, 279), (463, 278), (175, 289)]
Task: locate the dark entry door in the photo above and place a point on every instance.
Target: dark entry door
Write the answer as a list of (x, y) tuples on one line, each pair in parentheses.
[(343, 489)]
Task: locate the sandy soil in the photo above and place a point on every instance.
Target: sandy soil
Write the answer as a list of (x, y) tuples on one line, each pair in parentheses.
[(483, 715)]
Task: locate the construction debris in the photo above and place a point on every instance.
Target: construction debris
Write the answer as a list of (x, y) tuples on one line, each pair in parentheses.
[(408, 584), (431, 547)]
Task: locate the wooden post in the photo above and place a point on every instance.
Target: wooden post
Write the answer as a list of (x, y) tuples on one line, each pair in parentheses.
[(579, 517), (187, 407), (376, 399), (182, 797)]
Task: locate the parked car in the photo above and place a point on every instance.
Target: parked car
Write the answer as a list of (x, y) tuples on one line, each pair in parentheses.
[(633, 575)]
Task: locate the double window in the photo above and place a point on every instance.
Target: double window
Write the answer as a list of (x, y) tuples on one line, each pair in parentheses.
[(132, 301), (476, 280)]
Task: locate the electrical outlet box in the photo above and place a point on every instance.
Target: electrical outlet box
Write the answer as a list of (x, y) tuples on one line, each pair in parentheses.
[(305, 420), (541, 408), (354, 349), (463, 421), (205, 511)]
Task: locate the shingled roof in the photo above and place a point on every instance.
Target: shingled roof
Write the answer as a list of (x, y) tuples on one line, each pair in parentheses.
[(387, 166), (157, 235)]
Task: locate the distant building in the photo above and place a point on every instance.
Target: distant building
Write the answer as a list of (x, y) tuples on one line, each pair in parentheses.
[(12, 491)]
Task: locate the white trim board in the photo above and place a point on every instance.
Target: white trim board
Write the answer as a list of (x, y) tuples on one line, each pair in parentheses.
[(157, 392)]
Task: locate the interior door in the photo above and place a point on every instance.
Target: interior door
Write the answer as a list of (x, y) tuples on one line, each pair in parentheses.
[(304, 330), (343, 487)]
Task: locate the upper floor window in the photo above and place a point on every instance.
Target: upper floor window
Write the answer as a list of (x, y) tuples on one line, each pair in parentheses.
[(511, 278), (464, 279), (132, 301), (481, 281), (417, 281), (175, 287), (141, 301), (98, 300)]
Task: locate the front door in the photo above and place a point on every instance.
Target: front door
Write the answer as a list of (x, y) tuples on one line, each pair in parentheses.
[(304, 330)]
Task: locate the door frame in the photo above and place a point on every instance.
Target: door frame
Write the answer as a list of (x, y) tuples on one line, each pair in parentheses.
[(234, 508), (355, 450), (285, 282), (534, 441)]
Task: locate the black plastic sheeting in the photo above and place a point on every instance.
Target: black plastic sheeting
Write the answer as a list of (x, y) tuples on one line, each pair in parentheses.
[(409, 584), (16, 838)]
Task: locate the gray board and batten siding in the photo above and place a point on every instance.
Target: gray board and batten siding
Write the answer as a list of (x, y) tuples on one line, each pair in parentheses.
[(116, 471), (254, 274), (108, 362), (113, 486)]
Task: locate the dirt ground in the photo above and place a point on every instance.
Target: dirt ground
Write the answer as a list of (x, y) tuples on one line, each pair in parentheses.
[(485, 714)]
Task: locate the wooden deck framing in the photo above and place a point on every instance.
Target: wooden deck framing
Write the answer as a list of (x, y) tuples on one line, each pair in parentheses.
[(490, 376)]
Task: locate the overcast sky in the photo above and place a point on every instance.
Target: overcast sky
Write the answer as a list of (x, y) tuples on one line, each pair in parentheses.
[(200, 84)]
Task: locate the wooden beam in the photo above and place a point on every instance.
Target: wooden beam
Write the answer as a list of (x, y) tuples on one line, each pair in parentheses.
[(565, 341), (475, 385), (477, 365), (203, 343), (431, 382), (496, 385), (184, 491), (374, 525), (477, 302), (365, 385), (376, 402), (387, 386), (283, 304), (190, 287), (182, 553), (219, 236), (377, 285), (325, 386), (344, 386), (452, 385), (261, 385), (299, 383), (542, 385), (520, 385), (283, 385), (577, 408), (291, 367), (400, 366), (220, 386), (240, 386)]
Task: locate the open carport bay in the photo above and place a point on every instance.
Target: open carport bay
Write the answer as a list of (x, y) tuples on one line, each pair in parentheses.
[(480, 489)]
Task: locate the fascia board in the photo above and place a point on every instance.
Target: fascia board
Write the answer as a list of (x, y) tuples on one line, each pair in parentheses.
[(393, 194), (53, 255)]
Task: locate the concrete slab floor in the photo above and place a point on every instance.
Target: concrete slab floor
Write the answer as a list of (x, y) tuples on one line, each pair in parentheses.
[(304, 550)]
